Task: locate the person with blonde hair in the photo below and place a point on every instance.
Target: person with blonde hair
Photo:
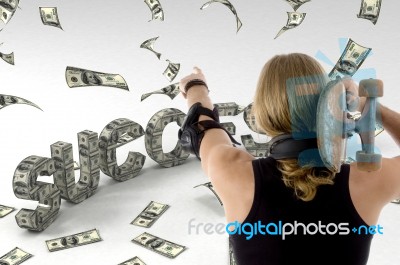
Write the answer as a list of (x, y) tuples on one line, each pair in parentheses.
[(323, 210)]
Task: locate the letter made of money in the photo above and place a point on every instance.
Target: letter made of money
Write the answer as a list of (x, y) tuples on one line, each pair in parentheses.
[(7, 100), (294, 20), (296, 3), (8, 58), (370, 10), (5, 210), (149, 45), (172, 70), (159, 245), (150, 214), (77, 77), (350, 61), (133, 261), (210, 186), (84, 238), (229, 109), (250, 119), (157, 11), (7, 9), (171, 91), (153, 138), (15, 257), (230, 6), (253, 148), (49, 16)]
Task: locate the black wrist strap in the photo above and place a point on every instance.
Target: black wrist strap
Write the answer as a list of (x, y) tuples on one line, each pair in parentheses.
[(195, 82)]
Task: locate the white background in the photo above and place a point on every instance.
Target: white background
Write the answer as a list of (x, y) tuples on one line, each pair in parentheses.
[(105, 36)]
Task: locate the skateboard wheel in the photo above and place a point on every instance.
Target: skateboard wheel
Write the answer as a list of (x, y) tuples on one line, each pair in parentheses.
[(368, 162), (370, 88)]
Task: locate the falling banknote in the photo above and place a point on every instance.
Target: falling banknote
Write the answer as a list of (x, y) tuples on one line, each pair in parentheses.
[(9, 58), (210, 186), (230, 6), (294, 20), (297, 3), (5, 210), (172, 70), (148, 44), (77, 77), (15, 257), (49, 16), (150, 214), (159, 245), (350, 60), (156, 10), (133, 261), (7, 100), (171, 91), (370, 10), (76, 240), (7, 9)]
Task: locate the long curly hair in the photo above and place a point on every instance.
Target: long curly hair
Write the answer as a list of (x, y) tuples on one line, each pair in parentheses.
[(286, 102)]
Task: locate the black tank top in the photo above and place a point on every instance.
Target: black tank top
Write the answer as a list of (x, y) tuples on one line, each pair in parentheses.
[(274, 202)]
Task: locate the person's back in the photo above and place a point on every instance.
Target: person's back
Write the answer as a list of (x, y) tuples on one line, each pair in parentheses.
[(259, 190)]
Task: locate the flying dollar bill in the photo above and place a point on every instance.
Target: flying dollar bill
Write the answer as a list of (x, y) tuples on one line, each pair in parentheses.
[(210, 186), (15, 257), (7, 9), (84, 238), (150, 214), (171, 91), (370, 10), (133, 261), (157, 11), (8, 58), (148, 44), (230, 6), (294, 20), (7, 100), (5, 210), (77, 77), (49, 16), (172, 70), (357, 115), (350, 61), (159, 245), (297, 3)]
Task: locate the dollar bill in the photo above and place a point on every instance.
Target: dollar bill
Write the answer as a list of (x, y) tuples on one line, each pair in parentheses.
[(250, 119), (117, 133), (397, 201), (77, 77), (49, 16), (157, 11), (150, 214), (159, 245), (296, 3), (26, 186), (229, 109), (350, 61), (7, 100), (7, 9), (15, 257), (232, 260), (5, 210), (84, 238), (370, 10), (230, 6), (133, 261), (171, 91), (294, 20), (8, 58), (153, 138), (210, 186), (357, 115), (255, 149), (172, 70), (148, 44)]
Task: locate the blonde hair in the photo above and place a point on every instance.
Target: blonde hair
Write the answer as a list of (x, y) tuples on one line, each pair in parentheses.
[(285, 103)]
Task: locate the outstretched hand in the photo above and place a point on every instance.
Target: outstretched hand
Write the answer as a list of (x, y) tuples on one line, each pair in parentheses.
[(196, 74)]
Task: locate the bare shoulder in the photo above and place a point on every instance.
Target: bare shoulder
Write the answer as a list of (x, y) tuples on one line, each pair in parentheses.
[(231, 173), (371, 191)]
